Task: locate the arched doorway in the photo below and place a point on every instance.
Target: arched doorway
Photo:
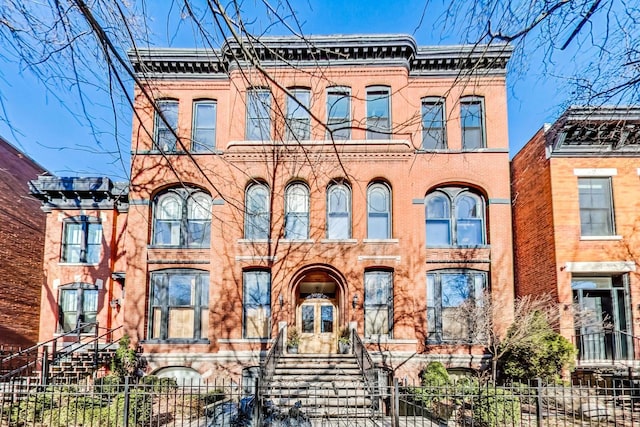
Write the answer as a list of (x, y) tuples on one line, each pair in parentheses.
[(319, 293)]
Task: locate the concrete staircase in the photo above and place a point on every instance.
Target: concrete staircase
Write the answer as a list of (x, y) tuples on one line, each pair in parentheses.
[(321, 385)]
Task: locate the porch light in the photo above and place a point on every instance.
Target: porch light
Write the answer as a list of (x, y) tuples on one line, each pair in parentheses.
[(281, 300), (354, 303), (115, 303)]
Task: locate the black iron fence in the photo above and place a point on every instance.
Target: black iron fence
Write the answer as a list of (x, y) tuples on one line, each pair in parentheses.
[(467, 402)]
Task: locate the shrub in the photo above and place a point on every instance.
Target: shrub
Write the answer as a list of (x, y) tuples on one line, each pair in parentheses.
[(81, 410), (545, 354), (28, 410), (159, 385), (108, 385), (212, 396), (125, 362), (494, 407), (435, 374), (140, 409)]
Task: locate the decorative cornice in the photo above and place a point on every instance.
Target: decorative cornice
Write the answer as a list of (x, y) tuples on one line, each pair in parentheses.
[(595, 131), (321, 51), (80, 193)]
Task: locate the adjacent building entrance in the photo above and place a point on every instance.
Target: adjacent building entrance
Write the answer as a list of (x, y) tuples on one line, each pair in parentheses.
[(603, 329)]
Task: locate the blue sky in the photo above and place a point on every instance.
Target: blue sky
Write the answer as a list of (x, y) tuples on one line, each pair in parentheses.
[(48, 122)]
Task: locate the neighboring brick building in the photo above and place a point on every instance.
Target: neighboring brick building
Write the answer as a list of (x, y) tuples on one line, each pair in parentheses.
[(22, 225), (375, 194), (575, 188)]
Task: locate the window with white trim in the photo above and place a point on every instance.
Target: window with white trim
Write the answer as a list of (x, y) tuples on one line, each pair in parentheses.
[(338, 113), (182, 218), (203, 138), (378, 211), (454, 217), (296, 219), (257, 221), (256, 303), (82, 240), (433, 129), (77, 305), (166, 125), (472, 122), (298, 119), (596, 207), (258, 114), (338, 211), (378, 112), (378, 303)]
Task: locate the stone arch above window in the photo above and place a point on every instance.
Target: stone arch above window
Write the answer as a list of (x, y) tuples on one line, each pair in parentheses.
[(182, 218), (455, 216)]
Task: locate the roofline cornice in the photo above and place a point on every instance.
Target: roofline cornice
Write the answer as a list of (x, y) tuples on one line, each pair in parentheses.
[(315, 51)]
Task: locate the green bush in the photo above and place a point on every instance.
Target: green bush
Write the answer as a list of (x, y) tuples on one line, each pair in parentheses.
[(212, 396), (140, 409), (545, 354), (28, 410), (159, 385), (494, 407), (125, 362), (82, 410), (108, 385), (435, 374)]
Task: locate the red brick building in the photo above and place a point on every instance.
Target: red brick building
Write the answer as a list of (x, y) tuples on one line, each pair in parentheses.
[(22, 225), (575, 210), (355, 181)]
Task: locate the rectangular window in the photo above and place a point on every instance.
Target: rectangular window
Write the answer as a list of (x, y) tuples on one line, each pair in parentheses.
[(82, 241), (257, 304), (449, 317), (378, 303), (204, 127), (298, 120), (378, 112), (433, 124), (179, 305), (596, 207), (471, 118), (166, 129), (258, 115), (77, 306), (338, 113)]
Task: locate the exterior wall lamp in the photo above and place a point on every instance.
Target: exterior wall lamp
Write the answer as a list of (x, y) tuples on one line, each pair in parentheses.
[(281, 300), (115, 303), (354, 303)]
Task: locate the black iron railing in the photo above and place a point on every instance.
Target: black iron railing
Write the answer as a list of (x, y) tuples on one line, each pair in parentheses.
[(38, 359), (268, 367), (367, 368), (606, 345)]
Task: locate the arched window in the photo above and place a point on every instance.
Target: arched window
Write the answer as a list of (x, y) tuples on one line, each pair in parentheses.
[(77, 305), (297, 212), (338, 211), (378, 211), (257, 221), (454, 216), (179, 305), (182, 218)]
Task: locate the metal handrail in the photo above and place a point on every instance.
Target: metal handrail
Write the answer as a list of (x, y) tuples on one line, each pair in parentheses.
[(616, 336), (269, 365), (367, 368), (45, 359)]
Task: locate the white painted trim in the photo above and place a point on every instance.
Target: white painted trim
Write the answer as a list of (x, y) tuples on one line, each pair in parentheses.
[(638, 170), (395, 258), (380, 241), (386, 340), (295, 241), (252, 241), (339, 241), (595, 171), (616, 237), (256, 258), (600, 267)]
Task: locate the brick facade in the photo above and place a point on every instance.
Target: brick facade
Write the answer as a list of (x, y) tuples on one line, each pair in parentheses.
[(22, 225)]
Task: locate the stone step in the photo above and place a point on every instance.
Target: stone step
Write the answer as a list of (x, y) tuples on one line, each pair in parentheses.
[(292, 392), (318, 402)]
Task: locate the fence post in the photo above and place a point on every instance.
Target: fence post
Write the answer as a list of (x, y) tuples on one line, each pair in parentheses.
[(395, 404), (44, 372), (539, 402), (125, 410)]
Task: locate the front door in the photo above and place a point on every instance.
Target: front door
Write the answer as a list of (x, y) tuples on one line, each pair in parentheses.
[(317, 324)]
